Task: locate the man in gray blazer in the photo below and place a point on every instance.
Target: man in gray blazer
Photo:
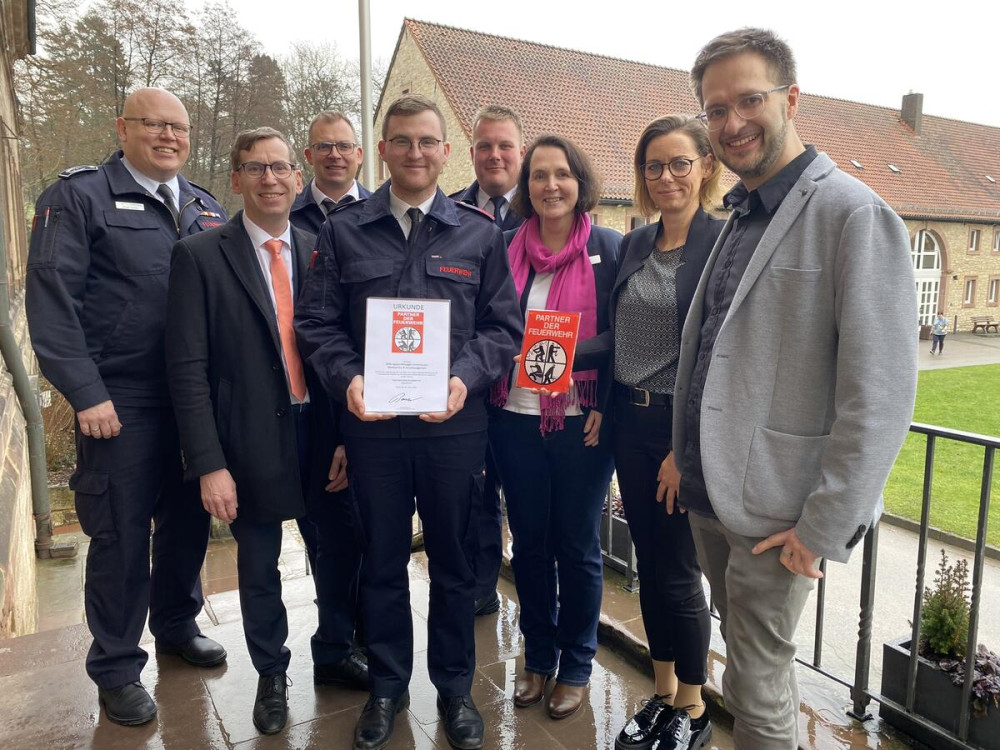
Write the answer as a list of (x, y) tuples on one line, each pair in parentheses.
[(797, 375)]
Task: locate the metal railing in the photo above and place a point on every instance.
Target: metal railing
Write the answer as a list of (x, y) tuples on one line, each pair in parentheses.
[(860, 691)]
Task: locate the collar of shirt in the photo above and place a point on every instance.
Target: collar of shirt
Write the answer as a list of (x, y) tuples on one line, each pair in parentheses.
[(318, 195), (399, 207), (774, 191), (482, 198), (151, 185)]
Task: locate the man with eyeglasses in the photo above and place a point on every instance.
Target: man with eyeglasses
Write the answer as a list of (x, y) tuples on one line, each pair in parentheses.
[(335, 156), (96, 295), (256, 428), (497, 151), (410, 240), (795, 405)]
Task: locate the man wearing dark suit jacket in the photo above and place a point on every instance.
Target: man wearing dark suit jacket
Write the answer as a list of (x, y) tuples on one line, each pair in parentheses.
[(335, 156), (497, 151), (246, 412)]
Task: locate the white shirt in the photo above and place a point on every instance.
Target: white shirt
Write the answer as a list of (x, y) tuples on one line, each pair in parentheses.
[(483, 198), (257, 238), (151, 185), (319, 196), (399, 207), (521, 400)]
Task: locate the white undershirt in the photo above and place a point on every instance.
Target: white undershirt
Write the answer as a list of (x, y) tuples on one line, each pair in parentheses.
[(521, 400)]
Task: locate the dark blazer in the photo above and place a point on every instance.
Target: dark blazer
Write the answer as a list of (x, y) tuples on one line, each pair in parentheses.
[(638, 245), (226, 376), (306, 213), (593, 353), (471, 195)]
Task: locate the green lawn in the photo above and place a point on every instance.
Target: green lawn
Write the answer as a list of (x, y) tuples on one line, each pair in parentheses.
[(961, 398)]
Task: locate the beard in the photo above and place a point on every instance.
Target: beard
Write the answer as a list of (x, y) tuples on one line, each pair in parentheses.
[(772, 144)]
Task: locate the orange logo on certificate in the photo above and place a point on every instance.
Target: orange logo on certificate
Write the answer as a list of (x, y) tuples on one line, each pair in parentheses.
[(407, 332)]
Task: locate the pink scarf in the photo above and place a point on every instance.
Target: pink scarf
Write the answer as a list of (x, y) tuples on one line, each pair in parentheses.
[(572, 290)]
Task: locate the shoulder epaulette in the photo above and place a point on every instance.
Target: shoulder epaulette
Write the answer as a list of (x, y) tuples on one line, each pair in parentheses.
[(475, 209), (67, 173), (206, 191)]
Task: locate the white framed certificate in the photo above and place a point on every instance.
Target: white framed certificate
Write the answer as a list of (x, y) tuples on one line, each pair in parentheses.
[(407, 355)]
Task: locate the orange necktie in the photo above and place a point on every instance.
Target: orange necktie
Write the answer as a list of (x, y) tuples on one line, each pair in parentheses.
[(283, 301)]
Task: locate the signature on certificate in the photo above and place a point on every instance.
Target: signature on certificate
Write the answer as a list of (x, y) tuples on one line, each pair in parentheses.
[(399, 398)]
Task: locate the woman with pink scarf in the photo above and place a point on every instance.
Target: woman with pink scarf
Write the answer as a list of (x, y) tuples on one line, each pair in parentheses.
[(553, 460)]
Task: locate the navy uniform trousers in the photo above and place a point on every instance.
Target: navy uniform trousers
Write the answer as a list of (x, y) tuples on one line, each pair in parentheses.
[(121, 483), (445, 475)]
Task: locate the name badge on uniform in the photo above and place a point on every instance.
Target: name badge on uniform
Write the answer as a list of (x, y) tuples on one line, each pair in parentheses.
[(126, 206), (595, 259)]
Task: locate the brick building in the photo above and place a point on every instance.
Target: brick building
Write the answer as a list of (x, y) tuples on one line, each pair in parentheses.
[(942, 176)]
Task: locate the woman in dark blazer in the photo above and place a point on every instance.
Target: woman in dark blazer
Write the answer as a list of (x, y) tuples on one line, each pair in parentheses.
[(554, 465), (677, 176)]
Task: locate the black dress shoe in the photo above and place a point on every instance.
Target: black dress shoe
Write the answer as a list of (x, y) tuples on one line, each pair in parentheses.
[(374, 727), (683, 732), (488, 604), (270, 709), (350, 672), (462, 723), (200, 651), (128, 705), (643, 728)]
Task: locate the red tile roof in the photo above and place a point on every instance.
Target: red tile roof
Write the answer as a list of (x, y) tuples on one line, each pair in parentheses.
[(602, 103)]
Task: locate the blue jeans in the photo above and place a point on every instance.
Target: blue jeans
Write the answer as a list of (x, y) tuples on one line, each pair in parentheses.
[(555, 489)]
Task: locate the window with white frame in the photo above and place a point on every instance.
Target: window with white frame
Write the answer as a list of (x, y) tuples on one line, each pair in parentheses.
[(993, 291), (973, 240), (969, 299)]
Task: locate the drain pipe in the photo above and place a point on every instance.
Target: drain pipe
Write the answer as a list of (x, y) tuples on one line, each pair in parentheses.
[(33, 425)]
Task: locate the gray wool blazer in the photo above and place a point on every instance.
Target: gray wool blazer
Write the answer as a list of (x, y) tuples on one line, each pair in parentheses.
[(810, 391)]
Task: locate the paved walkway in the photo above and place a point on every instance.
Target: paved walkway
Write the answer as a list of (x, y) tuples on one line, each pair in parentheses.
[(961, 350), (47, 701)]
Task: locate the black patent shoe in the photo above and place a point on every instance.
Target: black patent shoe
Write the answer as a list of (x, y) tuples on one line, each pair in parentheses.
[(374, 728), (129, 705), (270, 709), (641, 730), (201, 651), (488, 604), (684, 733), (462, 723), (350, 672)]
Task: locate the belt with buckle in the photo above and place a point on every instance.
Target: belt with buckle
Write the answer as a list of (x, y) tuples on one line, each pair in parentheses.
[(642, 397)]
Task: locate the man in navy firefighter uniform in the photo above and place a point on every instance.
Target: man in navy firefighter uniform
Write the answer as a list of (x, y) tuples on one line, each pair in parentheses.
[(410, 240), (96, 305), (497, 151)]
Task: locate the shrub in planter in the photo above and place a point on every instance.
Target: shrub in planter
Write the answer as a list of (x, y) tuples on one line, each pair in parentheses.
[(944, 633)]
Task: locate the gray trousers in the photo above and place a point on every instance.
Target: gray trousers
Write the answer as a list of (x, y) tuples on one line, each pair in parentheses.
[(759, 602)]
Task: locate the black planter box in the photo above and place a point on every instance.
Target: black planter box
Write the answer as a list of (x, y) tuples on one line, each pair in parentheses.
[(936, 699)]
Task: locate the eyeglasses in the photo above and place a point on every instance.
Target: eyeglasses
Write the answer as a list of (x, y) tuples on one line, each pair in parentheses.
[(155, 127), (747, 106), (426, 145), (679, 167), (255, 169), (324, 148)]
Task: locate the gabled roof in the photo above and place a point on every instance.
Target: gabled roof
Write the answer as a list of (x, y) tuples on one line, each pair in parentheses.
[(602, 103)]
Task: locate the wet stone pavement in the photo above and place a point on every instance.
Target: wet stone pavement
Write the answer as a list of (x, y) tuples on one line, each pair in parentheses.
[(47, 702)]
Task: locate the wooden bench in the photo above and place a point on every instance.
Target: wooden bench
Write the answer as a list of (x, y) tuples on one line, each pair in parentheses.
[(985, 322)]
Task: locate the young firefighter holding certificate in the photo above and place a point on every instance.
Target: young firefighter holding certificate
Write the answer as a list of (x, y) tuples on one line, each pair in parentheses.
[(409, 240), (554, 465)]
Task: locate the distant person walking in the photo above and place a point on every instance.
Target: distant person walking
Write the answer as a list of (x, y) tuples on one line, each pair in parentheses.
[(939, 329)]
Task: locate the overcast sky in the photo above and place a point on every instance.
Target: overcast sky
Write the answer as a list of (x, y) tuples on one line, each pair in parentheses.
[(869, 51)]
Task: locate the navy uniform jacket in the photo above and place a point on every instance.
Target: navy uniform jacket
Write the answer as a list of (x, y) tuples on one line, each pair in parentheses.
[(471, 196), (96, 290), (307, 214), (458, 255)]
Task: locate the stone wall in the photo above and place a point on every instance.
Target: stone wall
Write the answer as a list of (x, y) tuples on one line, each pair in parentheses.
[(958, 264), (17, 529)]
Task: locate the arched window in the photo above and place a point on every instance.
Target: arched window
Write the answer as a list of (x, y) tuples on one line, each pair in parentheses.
[(926, 257)]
